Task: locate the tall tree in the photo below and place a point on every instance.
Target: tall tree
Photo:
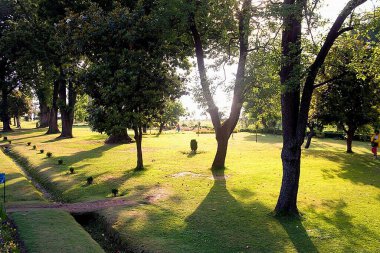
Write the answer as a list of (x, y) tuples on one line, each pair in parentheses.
[(223, 26), (295, 102), (132, 65)]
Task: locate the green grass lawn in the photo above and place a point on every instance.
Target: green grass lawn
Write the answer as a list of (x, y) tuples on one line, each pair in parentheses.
[(53, 231), (42, 230), (339, 193)]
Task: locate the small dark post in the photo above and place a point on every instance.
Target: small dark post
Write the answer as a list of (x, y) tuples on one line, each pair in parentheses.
[(256, 133)]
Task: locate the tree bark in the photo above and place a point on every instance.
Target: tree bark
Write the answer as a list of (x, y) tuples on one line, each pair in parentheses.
[(53, 117), (5, 118), (222, 138), (287, 201), (294, 112), (350, 136), (44, 115), (138, 139), (67, 109)]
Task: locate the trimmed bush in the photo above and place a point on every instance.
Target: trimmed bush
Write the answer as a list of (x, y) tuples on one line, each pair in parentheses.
[(90, 180), (42, 151), (49, 154), (5, 138), (115, 192), (10, 142), (60, 161), (29, 143), (34, 147), (194, 145), (71, 169)]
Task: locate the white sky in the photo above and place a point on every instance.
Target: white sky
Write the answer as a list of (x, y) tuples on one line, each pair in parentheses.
[(330, 10)]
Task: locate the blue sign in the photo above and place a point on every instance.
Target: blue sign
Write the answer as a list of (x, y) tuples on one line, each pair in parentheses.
[(2, 178)]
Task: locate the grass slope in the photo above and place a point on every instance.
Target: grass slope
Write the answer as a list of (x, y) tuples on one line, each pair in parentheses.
[(53, 231), (339, 193)]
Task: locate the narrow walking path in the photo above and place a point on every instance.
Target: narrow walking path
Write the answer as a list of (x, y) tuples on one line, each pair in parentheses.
[(81, 207)]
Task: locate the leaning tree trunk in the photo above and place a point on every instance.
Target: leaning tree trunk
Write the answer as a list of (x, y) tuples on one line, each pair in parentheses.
[(350, 136), (53, 117), (67, 109), (222, 137), (5, 118), (44, 115), (138, 139)]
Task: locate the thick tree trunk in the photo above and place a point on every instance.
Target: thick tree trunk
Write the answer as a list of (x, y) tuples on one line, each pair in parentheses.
[(44, 115), (53, 117), (294, 112), (350, 136), (67, 109), (119, 138), (5, 118), (144, 128), (287, 201), (138, 139), (222, 138)]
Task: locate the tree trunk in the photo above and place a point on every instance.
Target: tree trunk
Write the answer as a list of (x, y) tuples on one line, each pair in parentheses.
[(18, 123), (222, 138), (14, 121), (309, 137), (350, 136), (5, 118), (144, 128), (67, 109), (223, 131), (138, 139), (162, 124), (53, 117), (44, 115), (119, 138), (287, 201)]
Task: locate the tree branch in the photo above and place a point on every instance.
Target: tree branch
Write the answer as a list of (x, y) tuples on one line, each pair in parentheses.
[(328, 81)]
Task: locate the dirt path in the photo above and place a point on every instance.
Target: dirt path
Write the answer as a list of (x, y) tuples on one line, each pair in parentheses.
[(81, 207)]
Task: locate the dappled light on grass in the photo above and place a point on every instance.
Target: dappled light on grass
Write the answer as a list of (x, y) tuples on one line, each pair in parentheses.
[(185, 206)]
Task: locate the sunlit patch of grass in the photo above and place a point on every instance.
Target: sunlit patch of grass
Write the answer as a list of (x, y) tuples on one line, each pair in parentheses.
[(339, 193)]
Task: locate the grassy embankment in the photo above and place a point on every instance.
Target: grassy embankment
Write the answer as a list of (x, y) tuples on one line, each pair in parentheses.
[(42, 230), (339, 193)]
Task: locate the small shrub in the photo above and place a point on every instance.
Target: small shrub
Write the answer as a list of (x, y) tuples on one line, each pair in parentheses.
[(115, 192), (71, 170), (49, 154), (29, 143), (194, 145), (60, 161), (90, 180), (42, 151), (5, 138), (34, 147), (10, 142)]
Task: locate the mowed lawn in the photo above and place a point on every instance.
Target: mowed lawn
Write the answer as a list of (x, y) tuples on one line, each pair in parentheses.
[(339, 193)]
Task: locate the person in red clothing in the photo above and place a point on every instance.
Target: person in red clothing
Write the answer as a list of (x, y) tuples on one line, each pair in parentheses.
[(375, 143)]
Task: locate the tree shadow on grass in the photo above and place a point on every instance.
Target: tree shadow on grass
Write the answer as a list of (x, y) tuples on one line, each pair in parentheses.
[(359, 168), (344, 226)]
